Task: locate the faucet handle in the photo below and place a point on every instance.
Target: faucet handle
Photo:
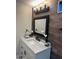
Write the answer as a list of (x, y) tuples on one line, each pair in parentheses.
[(31, 31), (48, 44), (45, 35)]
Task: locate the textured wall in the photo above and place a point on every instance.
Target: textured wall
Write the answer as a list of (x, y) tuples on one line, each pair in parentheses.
[(55, 33)]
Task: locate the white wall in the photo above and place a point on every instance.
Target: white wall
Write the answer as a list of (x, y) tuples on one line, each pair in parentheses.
[(23, 18)]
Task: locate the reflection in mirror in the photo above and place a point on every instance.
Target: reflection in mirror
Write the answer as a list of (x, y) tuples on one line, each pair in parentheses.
[(40, 26)]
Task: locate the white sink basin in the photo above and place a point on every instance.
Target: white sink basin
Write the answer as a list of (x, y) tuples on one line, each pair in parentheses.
[(35, 45)]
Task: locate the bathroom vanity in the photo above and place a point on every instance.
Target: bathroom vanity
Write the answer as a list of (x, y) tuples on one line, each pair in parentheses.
[(30, 48), (36, 45)]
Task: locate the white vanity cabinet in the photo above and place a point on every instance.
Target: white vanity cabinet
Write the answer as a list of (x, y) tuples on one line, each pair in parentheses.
[(33, 51), (25, 52)]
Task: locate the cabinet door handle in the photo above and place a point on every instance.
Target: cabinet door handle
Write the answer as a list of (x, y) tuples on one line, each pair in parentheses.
[(25, 52), (21, 57)]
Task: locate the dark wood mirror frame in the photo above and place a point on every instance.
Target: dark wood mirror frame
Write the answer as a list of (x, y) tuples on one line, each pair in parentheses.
[(47, 25)]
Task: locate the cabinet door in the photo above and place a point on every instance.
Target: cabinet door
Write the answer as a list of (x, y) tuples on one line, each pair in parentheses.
[(29, 54)]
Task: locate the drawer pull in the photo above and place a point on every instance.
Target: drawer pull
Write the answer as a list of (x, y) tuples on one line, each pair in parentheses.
[(24, 52)]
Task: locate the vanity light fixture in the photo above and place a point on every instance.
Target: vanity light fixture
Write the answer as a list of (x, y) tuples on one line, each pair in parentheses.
[(40, 6), (43, 9), (36, 2)]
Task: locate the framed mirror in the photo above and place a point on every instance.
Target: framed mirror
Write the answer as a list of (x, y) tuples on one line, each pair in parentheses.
[(41, 25)]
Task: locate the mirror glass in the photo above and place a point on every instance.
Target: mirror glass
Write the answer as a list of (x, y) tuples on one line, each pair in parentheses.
[(40, 26)]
